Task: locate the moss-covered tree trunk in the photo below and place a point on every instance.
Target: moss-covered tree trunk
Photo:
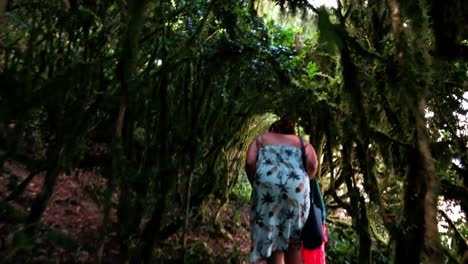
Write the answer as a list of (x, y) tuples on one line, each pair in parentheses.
[(357, 131), (418, 234), (123, 137)]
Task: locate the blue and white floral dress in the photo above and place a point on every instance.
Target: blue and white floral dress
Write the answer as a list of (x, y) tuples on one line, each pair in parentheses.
[(280, 201)]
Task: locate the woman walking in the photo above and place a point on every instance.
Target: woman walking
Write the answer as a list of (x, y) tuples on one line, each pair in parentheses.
[(280, 193)]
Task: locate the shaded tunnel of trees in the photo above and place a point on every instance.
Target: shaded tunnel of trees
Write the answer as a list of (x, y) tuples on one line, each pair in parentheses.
[(162, 98)]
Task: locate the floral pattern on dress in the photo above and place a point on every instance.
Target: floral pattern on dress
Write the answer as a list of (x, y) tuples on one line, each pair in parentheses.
[(280, 200)]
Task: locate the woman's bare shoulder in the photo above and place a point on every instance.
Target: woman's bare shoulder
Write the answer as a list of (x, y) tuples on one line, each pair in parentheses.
[(281, 139)]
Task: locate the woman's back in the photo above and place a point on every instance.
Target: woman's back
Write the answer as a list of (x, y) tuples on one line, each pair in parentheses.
[(280, 139), (280, 197), (280, 192)]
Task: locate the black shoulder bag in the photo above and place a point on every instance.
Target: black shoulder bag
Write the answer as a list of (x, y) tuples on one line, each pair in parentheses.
[(312, 232)]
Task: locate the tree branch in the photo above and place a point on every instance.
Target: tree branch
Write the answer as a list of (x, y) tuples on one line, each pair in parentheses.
[(312, 7), (382, 136), (453, 226)]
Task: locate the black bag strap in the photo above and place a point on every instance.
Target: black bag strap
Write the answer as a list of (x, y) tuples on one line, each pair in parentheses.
[(303, 154)]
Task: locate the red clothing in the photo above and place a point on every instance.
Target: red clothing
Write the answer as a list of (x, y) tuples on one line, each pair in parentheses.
[(316, 256)]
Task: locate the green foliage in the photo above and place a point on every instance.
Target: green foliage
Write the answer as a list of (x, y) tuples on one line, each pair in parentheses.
[(236, 256), (311, 69), (242, 190), (342, 246), (281, 35), (23, 243), (329, 33), (198, 250)]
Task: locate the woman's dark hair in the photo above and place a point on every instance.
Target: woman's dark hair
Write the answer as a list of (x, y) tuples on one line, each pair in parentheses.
[(283, 126)]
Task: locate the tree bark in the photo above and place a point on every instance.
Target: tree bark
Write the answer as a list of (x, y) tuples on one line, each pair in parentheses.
[(419, 232)]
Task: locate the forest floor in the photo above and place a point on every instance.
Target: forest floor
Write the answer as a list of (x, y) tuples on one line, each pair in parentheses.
[(72, 220)]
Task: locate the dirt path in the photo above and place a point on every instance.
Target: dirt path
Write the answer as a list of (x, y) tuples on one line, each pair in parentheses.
[(73, 211)]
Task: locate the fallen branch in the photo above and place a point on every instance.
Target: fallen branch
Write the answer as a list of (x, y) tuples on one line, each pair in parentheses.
[(20, 189)]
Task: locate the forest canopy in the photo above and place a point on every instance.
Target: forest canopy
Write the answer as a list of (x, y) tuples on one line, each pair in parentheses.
[(156, 102)]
